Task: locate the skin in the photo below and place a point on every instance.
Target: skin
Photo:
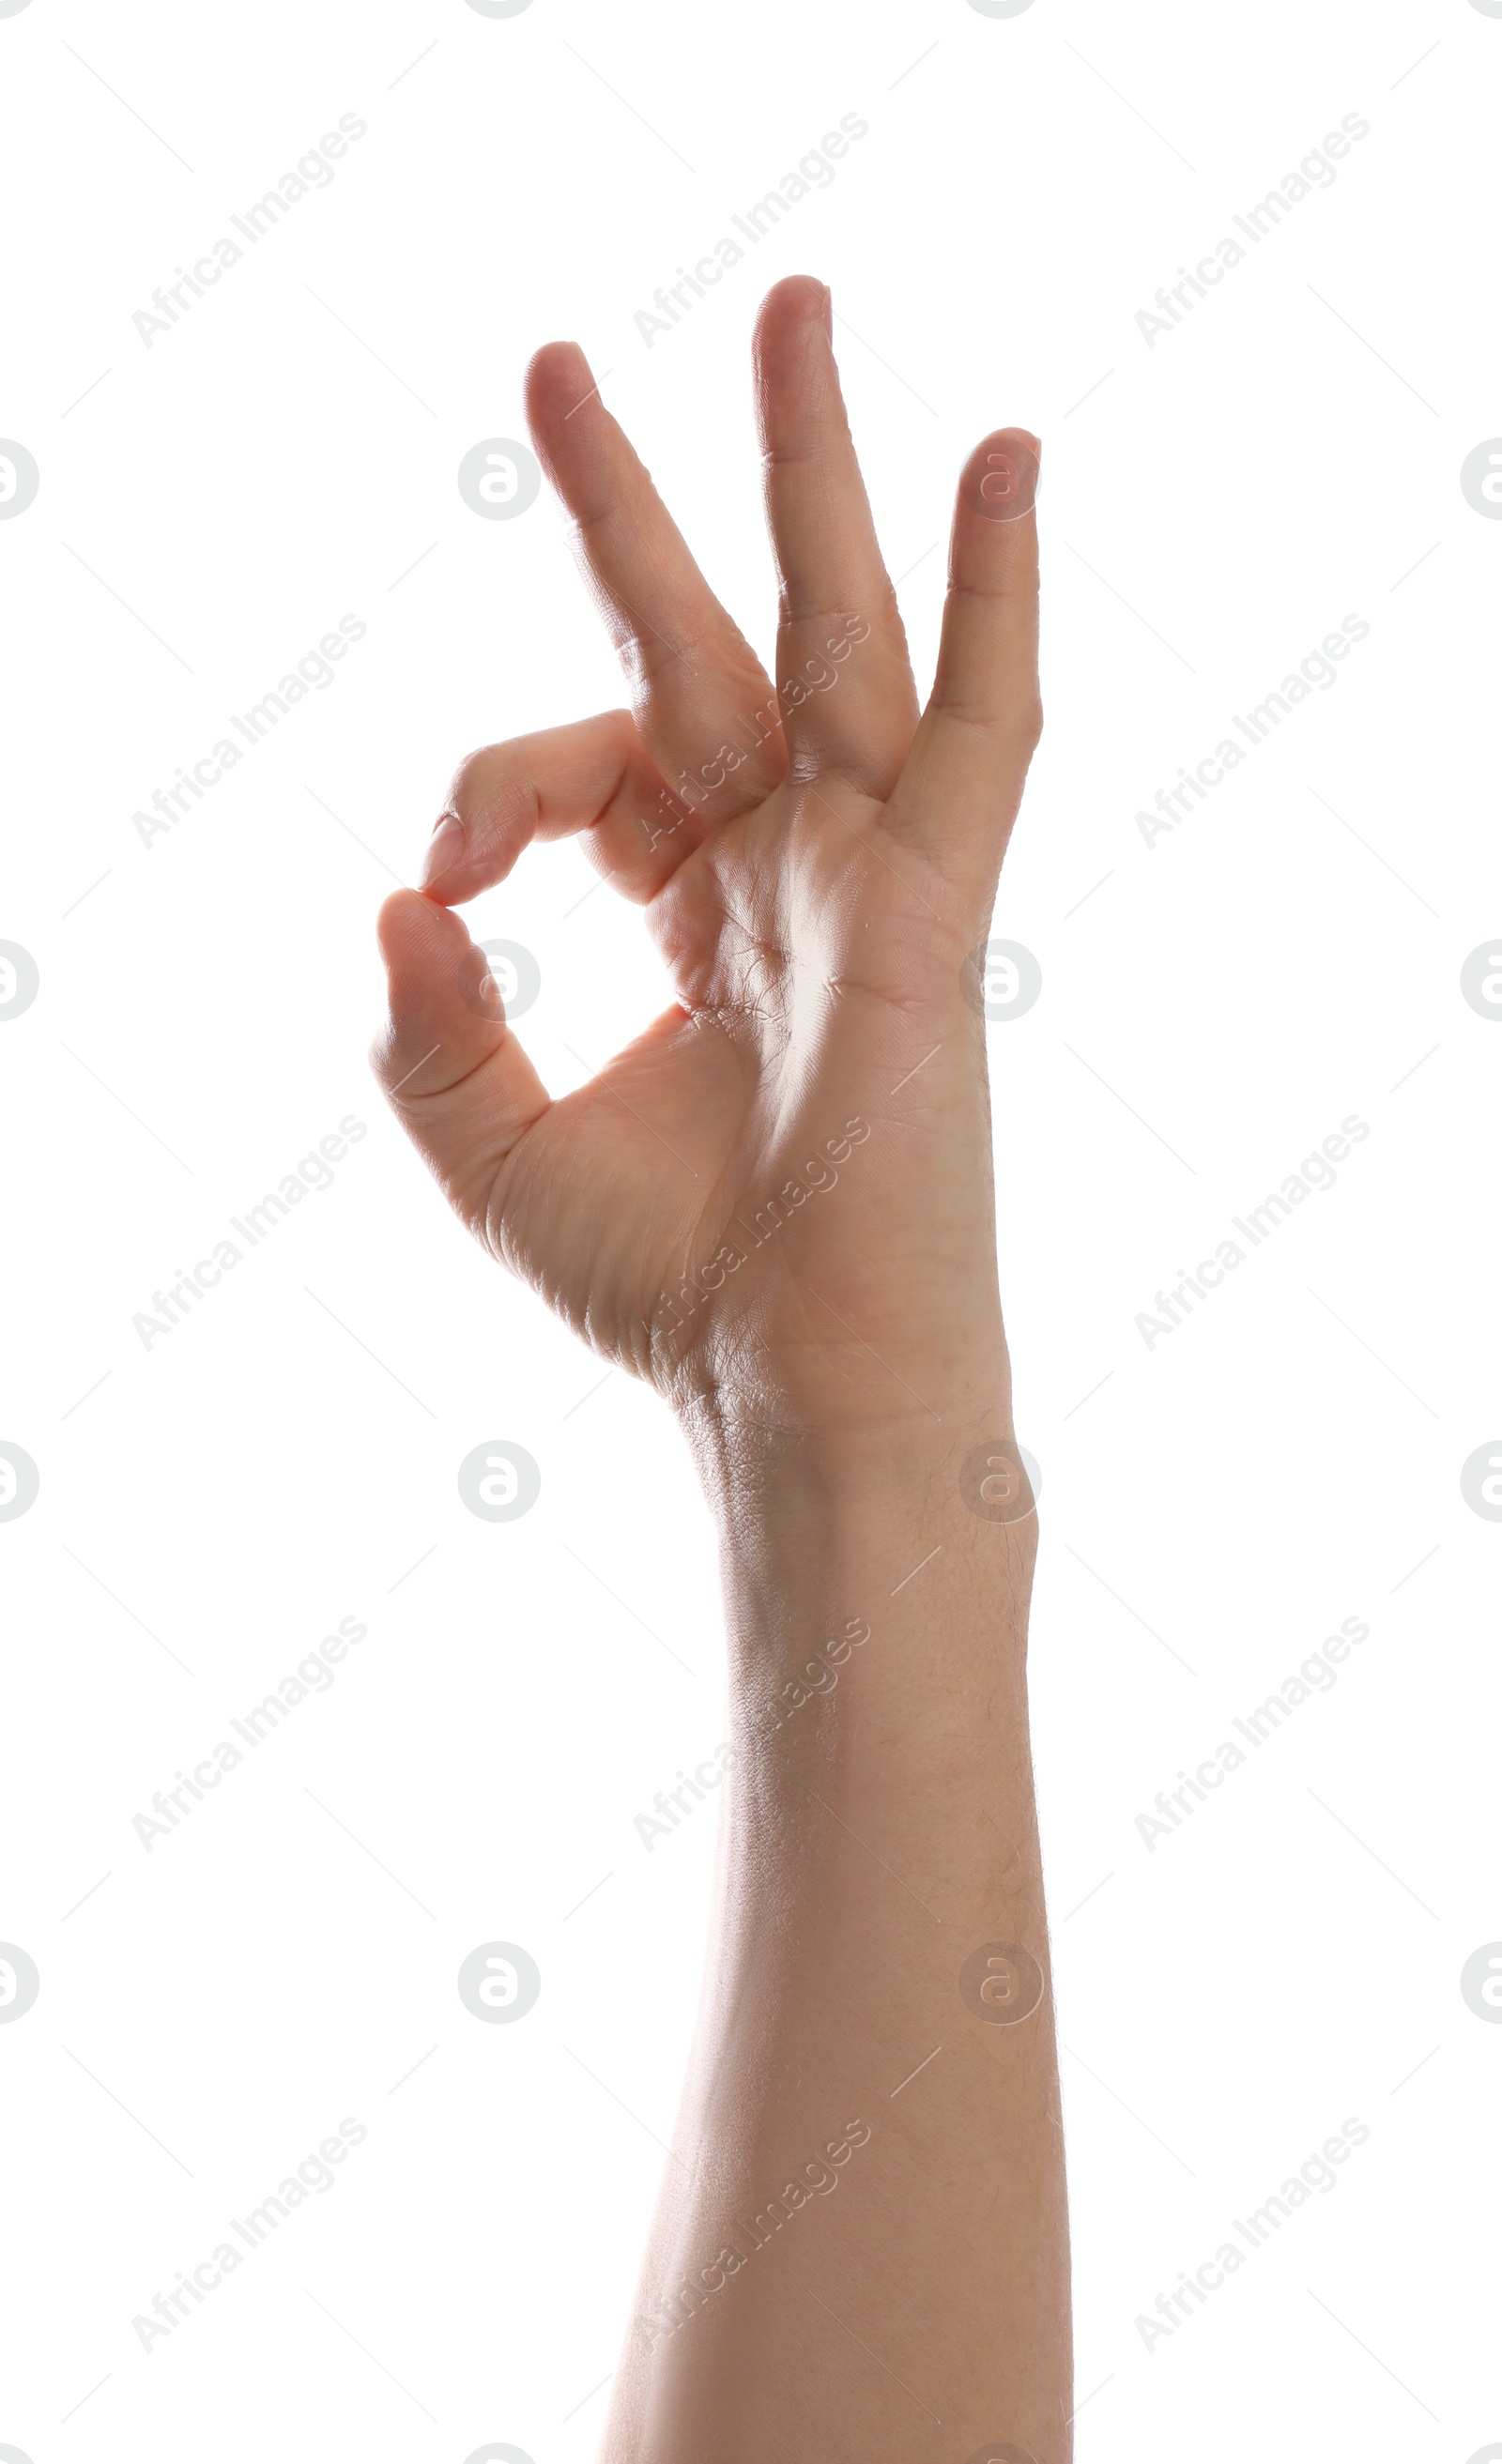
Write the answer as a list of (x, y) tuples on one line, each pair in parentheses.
[(837, 1362)]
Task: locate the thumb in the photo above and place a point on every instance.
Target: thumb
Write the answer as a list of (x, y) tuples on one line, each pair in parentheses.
[(452, 1069)]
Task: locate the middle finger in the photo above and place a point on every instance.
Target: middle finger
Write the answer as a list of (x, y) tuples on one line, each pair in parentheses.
[(704, 703)]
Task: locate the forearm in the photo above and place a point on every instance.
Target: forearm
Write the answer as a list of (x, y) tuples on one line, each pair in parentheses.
[(861, 2239)]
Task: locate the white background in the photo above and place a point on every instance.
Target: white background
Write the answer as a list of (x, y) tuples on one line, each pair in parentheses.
[(1214, 1004)]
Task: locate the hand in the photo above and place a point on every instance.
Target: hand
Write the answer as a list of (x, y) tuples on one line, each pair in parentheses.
[(777, 1203)]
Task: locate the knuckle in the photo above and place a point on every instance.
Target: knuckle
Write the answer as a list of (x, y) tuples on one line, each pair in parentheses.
[(494, 787)]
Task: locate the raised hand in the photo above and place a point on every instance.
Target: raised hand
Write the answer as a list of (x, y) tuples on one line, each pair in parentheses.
[(777, 1200)]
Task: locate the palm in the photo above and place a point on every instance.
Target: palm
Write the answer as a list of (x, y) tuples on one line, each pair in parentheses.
[(781, 1171), (685, 1197)]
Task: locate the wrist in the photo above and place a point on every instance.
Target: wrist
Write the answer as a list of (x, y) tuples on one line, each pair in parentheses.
[(886, 1571), (758, 1446)]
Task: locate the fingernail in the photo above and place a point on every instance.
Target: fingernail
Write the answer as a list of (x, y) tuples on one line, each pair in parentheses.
[(1009, 484), (444, 849)]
